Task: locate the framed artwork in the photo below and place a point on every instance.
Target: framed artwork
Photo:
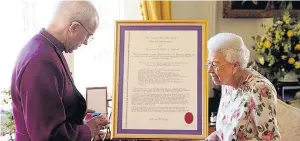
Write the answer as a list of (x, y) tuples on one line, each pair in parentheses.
[(96, 99), (160, 80), (258, 9)]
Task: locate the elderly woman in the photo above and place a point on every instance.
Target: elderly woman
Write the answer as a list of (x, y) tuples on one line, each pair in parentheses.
[(247, 110)]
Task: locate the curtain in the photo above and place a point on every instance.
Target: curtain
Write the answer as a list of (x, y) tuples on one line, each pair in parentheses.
[(155, 10)]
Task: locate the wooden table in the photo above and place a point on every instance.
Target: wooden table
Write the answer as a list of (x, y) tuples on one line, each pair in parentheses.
[(211, 128)]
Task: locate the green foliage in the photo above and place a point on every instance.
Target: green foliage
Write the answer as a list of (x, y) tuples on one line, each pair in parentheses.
[(9, 125)]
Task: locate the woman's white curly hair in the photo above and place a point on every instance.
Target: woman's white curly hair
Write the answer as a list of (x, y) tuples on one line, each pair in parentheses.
[(231, 46)]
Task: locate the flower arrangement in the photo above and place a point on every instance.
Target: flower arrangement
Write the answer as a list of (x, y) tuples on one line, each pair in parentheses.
[(279, 49)]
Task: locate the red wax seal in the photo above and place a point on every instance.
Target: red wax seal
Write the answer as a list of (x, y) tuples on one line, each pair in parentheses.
[(188, 117)]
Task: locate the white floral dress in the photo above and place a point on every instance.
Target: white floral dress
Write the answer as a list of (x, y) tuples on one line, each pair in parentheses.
[(247, 113)]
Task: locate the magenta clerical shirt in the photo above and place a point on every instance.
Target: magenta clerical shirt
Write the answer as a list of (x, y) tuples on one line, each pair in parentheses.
[(46, 104)]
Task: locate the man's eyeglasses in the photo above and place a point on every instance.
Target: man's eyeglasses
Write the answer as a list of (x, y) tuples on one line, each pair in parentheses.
[(90, 37), (214, 65)]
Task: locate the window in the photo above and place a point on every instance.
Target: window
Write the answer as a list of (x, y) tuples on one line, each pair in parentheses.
[(91, 65), (20, 20)]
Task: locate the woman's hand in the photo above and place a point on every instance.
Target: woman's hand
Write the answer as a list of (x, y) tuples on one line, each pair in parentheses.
[(96, 124)]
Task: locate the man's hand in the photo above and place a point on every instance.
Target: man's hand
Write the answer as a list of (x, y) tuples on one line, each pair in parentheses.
[(96, 124), (100, 136)]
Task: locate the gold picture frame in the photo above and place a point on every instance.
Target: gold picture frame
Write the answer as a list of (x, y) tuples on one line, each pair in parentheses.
[(121, 95)]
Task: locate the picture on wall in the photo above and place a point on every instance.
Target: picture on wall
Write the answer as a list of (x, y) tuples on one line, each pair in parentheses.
[(258, 9)]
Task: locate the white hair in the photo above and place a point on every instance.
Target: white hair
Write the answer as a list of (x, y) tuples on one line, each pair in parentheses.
[(231, 46), (81, 11)]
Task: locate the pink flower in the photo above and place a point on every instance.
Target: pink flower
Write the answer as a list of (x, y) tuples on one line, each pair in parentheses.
[(224, 119), (264, 92), (241, 136), (251, 104), (268, 137), (236, 114), (222, 136)]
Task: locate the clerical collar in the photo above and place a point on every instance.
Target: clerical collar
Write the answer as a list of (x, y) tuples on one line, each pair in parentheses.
[(60, 46)]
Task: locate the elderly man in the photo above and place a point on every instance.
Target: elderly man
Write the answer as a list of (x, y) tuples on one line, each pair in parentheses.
[(46, 104), (247, 108)]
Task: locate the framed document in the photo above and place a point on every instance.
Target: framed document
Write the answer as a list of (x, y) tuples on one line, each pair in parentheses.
[(160, 82), (96, 99)]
